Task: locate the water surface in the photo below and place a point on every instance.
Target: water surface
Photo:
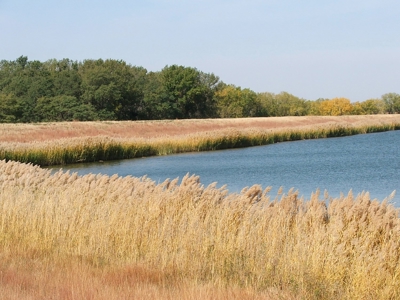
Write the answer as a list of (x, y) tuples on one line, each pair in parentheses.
[(368, 162)]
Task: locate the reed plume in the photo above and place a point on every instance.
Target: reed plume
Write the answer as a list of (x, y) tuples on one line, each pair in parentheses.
[(317, 248)]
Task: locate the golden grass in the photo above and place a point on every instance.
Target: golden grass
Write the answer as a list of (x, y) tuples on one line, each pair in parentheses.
[(189, 241), (36, 278), (97, 237), (43, 132), (63, 143)]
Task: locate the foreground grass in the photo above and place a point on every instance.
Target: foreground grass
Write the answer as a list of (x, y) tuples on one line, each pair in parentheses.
[(101, 141), (35, 277), (130, 237)]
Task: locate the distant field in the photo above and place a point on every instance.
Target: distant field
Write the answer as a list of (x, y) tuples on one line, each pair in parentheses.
[(38, 132), (72, 142)]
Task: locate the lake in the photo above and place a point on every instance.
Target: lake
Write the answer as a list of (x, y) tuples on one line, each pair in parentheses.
[(367, 162)]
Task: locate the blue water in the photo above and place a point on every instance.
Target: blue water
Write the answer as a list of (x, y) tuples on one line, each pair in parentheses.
[(368, 162)]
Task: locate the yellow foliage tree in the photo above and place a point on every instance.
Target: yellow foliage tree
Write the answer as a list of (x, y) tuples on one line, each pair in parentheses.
[(233, 102), (358, 109), (228, 102), (336, 107)]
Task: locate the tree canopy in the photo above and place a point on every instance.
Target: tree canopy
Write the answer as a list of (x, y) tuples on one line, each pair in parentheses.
[(65, 90)]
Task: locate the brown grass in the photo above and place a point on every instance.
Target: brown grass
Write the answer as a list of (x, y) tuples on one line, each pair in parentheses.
[(64, 143), (98, 237), (39, 132), (23, 278)]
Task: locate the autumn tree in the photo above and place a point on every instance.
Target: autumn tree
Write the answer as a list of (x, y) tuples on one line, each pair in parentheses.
[(336, 107), (282, 104), (233, 102), (60, 90)]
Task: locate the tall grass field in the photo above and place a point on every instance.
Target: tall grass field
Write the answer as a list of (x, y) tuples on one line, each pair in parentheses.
[(72, 142), (64, 236), (184, 233)]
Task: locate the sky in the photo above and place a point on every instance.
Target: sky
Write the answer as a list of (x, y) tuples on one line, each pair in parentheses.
[(311, 48)]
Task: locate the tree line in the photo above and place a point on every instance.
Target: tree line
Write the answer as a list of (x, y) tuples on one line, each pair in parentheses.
[(67, 90)]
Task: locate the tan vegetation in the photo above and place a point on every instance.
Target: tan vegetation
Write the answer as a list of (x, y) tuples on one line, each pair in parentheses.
[(33, 277), (100, 237), (97, 237), (40, 132), (62, 143)]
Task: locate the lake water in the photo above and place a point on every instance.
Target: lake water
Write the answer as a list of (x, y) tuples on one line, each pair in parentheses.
[(367, 162)]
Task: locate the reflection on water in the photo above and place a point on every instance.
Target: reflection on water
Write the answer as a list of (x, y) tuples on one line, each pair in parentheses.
[(369, 162)]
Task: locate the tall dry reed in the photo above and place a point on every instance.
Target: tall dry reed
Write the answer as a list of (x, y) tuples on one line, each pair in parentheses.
[(90, 149), (321, 248)]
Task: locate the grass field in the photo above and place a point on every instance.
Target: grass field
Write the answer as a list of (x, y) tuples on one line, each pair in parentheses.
[(42, 132), (98, 237), (63, 143), (65, 236)]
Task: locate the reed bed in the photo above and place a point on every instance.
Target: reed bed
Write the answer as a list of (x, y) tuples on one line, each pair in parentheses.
[(39, 132), (317, 248), (102, 148)]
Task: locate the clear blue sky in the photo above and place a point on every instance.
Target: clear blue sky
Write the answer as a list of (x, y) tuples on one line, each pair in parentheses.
[(312, 49)]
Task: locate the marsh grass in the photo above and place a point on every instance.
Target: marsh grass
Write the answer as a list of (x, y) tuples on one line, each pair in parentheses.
[(90, 149), (320, 248)]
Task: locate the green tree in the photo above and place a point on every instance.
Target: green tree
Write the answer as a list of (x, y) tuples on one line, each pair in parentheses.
[(110, 87), (233, 102), (392, 103), (206, 105), (65, 76), (358, 109), (229, 102), (187, 92), (268, 103), (9, 108), (154, 106), (290, 105), (373, 106), (282, 104), (64, 108), (28, 81)]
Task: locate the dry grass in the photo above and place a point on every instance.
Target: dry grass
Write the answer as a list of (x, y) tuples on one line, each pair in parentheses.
[(63, 143), (39, 132), (94, 237), (97, 237), (23, 278)]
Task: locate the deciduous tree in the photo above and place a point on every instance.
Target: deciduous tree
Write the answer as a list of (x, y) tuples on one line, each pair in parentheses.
[(392, 103), (336, 107)]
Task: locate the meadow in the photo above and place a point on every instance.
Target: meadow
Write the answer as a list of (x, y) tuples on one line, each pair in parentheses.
[(65, 236), (71, 142), (98, 237)]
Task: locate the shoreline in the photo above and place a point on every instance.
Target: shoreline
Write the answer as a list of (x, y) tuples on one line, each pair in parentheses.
[(49, 144), (64, 224), (130, 236)]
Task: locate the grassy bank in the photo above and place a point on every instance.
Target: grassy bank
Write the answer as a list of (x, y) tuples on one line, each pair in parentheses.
[(185, 239), (101, 148)]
